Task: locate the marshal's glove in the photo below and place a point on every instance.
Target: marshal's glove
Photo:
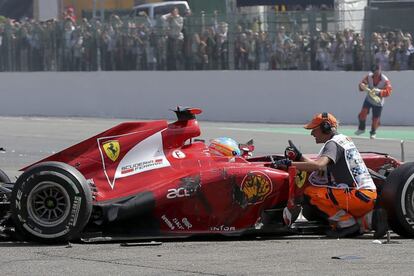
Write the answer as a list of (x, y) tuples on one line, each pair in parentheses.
[(376, 91), (281, 164), (364, 87), (292, 152)]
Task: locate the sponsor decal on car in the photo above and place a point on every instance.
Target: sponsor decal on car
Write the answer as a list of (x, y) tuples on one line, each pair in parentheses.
[(137, 156), (222, 228), (178, 224), (112, 149), (256, 186), (167, 222), (300, 178), (180, 192), (144, 165), (178, 154), (145, 156), (188, 186), (187, 223)]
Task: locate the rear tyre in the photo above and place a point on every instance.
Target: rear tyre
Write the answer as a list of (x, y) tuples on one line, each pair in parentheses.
[(51, 202), (398, 199)]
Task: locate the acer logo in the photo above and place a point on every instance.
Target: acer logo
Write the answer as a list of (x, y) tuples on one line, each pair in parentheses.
[(180, 192)]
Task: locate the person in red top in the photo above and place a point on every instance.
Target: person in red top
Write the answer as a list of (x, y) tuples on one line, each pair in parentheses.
[(377, 86), (69, 13)]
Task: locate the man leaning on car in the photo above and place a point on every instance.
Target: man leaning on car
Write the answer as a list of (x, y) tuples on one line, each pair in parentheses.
[(341, 185)]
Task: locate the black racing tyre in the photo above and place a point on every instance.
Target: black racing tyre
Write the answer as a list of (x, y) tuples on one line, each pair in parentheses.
[(51, 202), (3, 177), (397, 197)]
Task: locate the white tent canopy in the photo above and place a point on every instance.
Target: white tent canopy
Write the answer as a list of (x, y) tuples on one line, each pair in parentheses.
[(351, 14)]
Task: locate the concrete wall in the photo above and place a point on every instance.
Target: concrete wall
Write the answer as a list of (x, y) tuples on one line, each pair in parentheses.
[(249, 96)]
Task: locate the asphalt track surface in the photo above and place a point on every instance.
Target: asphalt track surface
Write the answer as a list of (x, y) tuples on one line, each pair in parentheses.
[(27, 140)]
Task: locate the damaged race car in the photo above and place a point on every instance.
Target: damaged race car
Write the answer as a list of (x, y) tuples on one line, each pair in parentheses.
[(154, 179)]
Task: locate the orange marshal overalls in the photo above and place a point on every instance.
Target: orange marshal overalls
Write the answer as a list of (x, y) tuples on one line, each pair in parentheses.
[(343, 203)]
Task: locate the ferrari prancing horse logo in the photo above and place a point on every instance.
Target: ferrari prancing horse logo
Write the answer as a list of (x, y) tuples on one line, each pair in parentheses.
[(112, 149), (300, 178)]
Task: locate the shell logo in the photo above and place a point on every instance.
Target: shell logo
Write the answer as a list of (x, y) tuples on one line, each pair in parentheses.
[(256, 186)]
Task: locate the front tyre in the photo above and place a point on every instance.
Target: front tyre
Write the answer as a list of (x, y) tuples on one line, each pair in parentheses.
[(398, 199), (51, 202)]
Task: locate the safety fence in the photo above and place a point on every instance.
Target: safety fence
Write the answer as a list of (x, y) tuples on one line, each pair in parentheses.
[(293, 40)]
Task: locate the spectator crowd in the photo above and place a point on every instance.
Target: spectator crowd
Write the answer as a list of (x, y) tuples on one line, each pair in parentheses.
[(180, 42)]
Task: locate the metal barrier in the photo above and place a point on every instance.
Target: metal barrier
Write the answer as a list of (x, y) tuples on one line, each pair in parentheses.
[(295, 40)]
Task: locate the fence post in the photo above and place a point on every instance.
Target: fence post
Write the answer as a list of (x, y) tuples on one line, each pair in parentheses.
[(231, 37), (367, 39), (313, 38), (203, 22)]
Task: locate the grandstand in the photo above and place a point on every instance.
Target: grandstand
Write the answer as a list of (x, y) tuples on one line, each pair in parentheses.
[(247, 38)]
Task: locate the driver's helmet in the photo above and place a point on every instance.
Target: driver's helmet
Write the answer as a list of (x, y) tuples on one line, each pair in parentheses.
[(224, 146)]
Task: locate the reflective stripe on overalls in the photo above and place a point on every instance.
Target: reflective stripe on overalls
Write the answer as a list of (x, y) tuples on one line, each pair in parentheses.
[(341, 204)]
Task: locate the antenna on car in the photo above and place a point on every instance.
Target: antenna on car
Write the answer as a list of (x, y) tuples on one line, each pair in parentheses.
[(186, 113)]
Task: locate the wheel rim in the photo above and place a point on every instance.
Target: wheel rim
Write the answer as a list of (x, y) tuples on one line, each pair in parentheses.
[(49, 204)]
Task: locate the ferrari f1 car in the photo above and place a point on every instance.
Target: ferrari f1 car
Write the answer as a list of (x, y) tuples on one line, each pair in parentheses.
[(154, 179)]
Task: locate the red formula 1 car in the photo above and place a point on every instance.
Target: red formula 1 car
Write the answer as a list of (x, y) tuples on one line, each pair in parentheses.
[(154, 179)]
